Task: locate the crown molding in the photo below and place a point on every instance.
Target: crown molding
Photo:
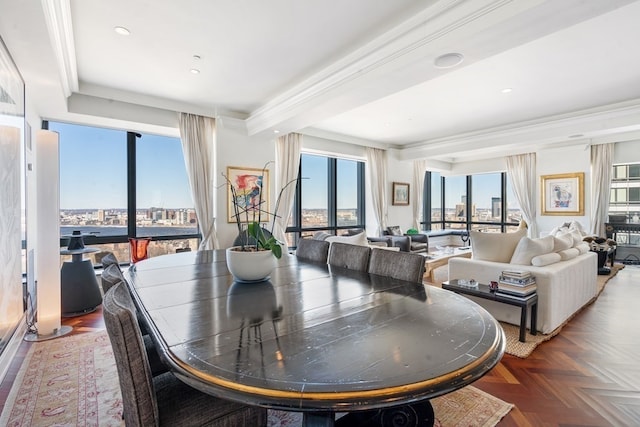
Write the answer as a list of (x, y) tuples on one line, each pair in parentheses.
[(600, 123), (57, 15), (404, 42)]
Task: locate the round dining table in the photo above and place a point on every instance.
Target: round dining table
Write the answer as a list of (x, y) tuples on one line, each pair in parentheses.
[(314, 338)]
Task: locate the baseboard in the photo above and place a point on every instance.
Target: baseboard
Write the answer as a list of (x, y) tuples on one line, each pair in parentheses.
[(11, 349)]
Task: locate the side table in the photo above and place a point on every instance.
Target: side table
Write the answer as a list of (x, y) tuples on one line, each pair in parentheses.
[(80, 293), (483, 291)]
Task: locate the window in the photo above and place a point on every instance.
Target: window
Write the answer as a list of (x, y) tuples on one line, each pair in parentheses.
[(115, 185), (329, 197), (475, 202), (625, 192)]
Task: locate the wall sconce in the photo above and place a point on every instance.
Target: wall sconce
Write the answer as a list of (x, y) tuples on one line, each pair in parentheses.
[(48, 239)]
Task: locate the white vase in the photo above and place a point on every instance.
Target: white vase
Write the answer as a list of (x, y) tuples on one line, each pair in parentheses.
[(250, 266)]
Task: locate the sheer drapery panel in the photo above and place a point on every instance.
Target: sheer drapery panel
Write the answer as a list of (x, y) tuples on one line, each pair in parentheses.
[(287, 167), (601, 169), (521, 170), (377, 171), (419, 169), (198, 141)]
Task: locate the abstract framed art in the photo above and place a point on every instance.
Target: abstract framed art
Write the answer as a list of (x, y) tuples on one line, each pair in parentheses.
[(562, 194), (251, 188)]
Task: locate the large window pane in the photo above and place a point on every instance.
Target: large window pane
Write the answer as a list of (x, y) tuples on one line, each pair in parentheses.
[(347, 192), (164, 206), (94, 175), (93, 180), (486, 197), (315, 191), (455, 200)]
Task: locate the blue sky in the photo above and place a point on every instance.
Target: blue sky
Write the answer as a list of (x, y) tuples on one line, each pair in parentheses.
[(93, 173), (93, 169)]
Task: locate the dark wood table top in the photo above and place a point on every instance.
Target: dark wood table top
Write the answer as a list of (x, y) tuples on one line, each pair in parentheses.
[(313, 337)]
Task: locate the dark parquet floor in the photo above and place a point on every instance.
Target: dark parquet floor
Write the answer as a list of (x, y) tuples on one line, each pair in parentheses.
[(588, 375)]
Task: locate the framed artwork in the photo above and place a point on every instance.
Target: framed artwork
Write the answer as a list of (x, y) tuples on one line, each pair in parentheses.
[(563, 194), (251, 188), (400, 194)]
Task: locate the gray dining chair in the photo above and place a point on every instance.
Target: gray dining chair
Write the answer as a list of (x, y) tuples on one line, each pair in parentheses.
[(313, 250), (108, 260), (163, 399), (353, 257), (110, 276), (398, 265)]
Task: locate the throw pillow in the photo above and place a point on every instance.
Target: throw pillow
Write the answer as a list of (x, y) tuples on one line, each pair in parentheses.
[(569, 254), (321, 235), (583, 248), (546, 259), (358, 239), (577, 237), (528, 248), (496, 247), (394, 230), (562, 242)]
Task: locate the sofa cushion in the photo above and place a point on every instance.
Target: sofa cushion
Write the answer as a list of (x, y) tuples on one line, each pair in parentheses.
[(569, 254), (394, 230), (562, 242), (358, 239), (528, 248), (496, 247), (546, 259), (583, 248)]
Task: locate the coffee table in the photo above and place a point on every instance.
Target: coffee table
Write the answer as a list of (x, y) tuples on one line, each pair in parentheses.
[(483, 291), (434, 260)]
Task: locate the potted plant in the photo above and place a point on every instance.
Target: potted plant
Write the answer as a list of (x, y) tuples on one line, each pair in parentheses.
[(256, 256)]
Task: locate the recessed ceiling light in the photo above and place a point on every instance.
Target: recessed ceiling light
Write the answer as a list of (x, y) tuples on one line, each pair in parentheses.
[(195, 71), (507, 90), (448, 60), (276, 131), (577, 135), (122, 31)]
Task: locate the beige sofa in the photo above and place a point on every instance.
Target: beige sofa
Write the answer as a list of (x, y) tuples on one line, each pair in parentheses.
[(564, 285)]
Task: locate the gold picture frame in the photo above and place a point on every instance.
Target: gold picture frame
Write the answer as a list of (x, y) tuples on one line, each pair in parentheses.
[(400, 192), (562, 194), (248, 183)]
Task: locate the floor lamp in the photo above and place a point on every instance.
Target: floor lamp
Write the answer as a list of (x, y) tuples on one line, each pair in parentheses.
[(48, 299)]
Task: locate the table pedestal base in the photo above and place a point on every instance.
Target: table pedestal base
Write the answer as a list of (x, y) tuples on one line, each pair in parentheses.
[(415, 415)]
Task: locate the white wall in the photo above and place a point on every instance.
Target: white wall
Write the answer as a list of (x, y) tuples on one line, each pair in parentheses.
[(234, 148), (627, 152), (557, 161)]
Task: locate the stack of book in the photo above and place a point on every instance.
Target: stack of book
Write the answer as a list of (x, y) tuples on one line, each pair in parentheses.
[(516, 283)]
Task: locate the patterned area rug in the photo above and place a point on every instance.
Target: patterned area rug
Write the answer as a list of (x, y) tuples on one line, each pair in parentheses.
[(524, 349), (72, 381)]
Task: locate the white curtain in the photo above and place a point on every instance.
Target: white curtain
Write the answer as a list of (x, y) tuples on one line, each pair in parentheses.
[(198, 141), (521, 170), (419, 169), (287, 167), (377, 167), (601, 170)]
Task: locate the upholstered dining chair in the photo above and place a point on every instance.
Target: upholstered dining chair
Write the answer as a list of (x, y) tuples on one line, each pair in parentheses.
[(353, 257), (108, 260), (163, 399), (110, 276), (313, 250), (398, 265)]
